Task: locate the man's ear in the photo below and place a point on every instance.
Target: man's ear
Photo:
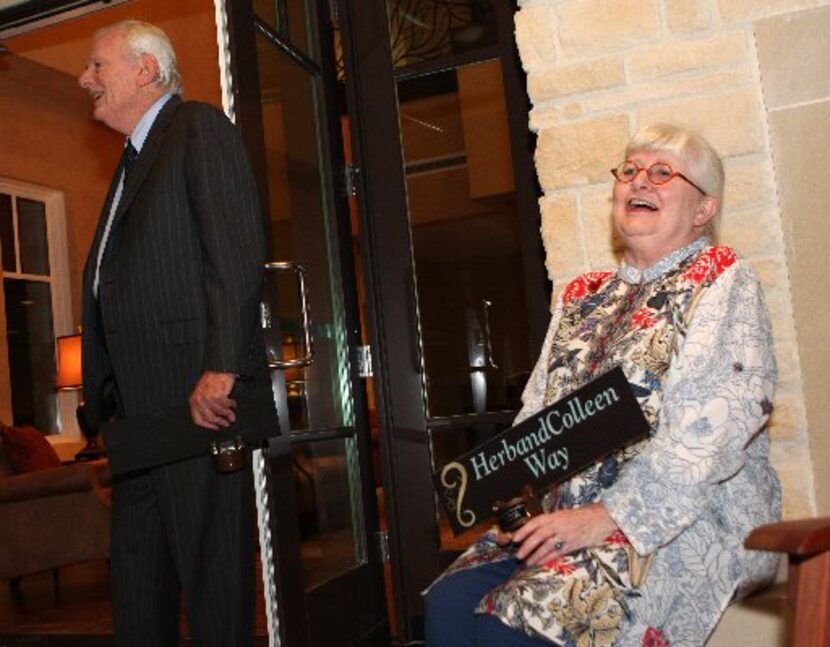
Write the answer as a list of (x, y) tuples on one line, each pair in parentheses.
[(706, 210), (148, 71)]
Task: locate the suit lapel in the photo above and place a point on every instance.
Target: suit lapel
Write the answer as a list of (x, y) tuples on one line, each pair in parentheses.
[(99, 230), (146, 158)]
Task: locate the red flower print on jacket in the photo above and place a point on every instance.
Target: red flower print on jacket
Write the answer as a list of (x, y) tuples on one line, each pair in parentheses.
[(617, 537), (654, 638), (585, 284), (643, 318), (710, 265)]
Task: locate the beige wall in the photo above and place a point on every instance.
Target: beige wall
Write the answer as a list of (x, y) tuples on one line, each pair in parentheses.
[(599, 69)]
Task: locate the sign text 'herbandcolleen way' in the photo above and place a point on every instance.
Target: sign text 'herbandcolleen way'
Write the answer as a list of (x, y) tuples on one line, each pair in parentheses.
[(544, 449)]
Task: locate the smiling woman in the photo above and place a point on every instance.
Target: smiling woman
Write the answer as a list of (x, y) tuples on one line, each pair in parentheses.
[(627, 546)]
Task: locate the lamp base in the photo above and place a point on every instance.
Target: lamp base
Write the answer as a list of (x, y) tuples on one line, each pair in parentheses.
[(91, 451)]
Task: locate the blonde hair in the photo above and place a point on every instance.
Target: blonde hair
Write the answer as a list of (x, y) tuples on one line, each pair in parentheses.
[(143, 38), (704, 164)]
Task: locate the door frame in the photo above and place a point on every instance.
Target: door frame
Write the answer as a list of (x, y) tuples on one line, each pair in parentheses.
[(305, 616), (390, 278)]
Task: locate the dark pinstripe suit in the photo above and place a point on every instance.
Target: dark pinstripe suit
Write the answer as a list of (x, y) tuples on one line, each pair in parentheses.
[(179, 288)]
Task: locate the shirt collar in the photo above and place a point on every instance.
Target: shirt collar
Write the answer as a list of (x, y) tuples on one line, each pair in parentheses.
[(631, 274), (142, 128)]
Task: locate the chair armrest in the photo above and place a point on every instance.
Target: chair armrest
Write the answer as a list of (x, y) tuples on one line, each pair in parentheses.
[(802, 537), (77, 477)]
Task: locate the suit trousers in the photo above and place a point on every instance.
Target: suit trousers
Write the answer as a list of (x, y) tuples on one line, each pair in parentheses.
[(183, 530)]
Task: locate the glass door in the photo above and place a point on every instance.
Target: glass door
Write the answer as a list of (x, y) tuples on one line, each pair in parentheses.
[(322, 497), (452, 252)]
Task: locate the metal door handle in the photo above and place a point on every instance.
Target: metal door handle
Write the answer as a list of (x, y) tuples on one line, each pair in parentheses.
[(308, 339), (488, 346)]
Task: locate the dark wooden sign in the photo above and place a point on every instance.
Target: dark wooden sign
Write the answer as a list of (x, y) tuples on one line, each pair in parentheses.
[(542, 450)]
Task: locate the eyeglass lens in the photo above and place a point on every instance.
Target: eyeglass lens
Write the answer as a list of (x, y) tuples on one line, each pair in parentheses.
[(658, 173)]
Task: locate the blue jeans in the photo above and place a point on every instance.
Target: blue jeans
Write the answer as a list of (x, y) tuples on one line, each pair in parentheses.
[(449, 606)]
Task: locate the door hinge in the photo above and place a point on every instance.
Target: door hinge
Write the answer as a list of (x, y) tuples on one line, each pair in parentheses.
[(363, 360), (351, 175), (382, 537)]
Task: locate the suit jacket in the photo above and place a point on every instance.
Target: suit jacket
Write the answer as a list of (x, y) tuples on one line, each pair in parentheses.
[(179, 288)]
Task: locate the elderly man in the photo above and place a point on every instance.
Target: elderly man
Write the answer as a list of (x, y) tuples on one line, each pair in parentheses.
[(174, 365)]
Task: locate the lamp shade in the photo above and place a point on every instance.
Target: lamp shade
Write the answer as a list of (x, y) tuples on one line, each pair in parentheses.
[(69, 362)]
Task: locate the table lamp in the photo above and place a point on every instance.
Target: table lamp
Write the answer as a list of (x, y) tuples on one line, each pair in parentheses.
[(69, 378)]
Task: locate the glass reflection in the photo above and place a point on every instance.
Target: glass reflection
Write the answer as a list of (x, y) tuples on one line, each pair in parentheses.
[(7, 233), (465, 239), (325, 492), (31, 229), (31, 347), (425, 30), (302, 233)]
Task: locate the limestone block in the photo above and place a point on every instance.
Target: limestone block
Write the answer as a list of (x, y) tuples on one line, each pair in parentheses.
[(744, 10), (587, 27), (753, 232), (781, 316), (548, 114), (792, 462), (772, 273), (688, 15), (788, 75), (732, 122), (579, 153), (789, 368), (551, 83), (673, 57), (665, 89), (535, 37), (562, 236), (748, 183), (604, 249), (787, 421)]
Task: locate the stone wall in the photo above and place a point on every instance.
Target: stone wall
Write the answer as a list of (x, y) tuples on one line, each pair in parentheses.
[(599, 69)]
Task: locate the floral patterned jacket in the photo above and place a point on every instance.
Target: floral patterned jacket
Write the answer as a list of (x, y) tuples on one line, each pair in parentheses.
[(692, 335)]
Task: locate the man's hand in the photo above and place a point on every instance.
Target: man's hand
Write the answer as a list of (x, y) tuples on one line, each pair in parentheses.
[(546, 536), (210, 405)]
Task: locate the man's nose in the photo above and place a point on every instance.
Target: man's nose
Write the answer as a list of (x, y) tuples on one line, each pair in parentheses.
[(84, 79)]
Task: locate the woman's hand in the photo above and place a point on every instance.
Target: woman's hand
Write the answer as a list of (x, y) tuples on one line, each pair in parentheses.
[(554, 534)]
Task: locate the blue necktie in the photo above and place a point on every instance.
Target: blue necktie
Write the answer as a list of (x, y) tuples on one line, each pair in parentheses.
[(130, 156)]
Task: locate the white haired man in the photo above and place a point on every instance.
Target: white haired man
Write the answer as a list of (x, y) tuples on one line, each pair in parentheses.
[(172, 357)]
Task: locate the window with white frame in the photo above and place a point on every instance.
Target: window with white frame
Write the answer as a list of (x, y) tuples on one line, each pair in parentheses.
[(36, 307)]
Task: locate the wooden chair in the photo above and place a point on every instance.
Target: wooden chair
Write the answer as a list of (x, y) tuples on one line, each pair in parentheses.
[(807, 543)]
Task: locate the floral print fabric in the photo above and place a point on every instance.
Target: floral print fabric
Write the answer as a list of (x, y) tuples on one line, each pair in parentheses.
[(692, 336)]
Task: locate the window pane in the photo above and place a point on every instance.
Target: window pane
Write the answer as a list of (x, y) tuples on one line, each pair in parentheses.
[(425, 30), (31, 344), (7, 233), (465, 238), (328, 497), (31, 228), (303, 230)]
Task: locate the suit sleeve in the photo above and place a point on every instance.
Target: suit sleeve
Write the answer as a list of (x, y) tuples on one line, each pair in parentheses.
[(224, 201), (717, 397)]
